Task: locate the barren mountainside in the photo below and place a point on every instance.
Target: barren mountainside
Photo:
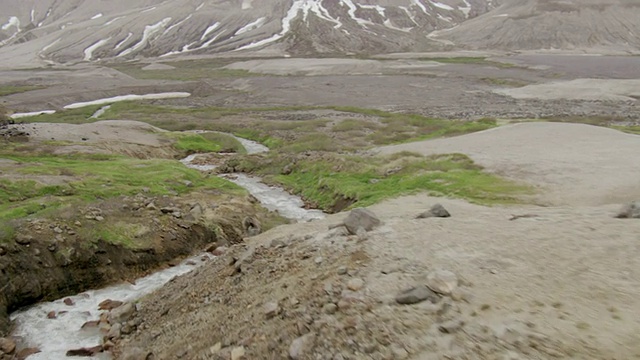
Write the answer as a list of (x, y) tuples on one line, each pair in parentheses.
[(552, 24), (66, 30)]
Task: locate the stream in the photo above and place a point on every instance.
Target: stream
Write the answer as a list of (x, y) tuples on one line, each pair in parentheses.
[(54, 337)]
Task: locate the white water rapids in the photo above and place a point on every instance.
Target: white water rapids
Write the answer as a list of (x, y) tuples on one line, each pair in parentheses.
[(54, 337)]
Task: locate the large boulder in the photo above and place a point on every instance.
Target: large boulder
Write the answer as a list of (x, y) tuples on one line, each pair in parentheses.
[(361, 218), (630, 211), (436, 210)]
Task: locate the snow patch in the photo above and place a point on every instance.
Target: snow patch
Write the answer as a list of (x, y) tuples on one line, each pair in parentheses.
[(409, 14), (149, 31), (420, 5), (50, 45), (177, 24), (13, 21), (119, 45), (501, 15), (377, 8), (96, 16), (466, 9), (390, 25), (200, 7), (167, 95), (352, 13), (251, 26), (100, 112), (34, 113), (147, 10), (209, 30), (441, 5), (33, 15), (88, 52), (113, 20)]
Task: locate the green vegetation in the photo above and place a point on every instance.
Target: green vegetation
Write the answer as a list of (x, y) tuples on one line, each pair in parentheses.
[(331, 179), (504, 82), (16, 89), (64, 180), (207, 142), (185, 70), (468, 60)]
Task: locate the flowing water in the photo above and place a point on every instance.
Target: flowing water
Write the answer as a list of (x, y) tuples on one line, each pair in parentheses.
[(54, 337)]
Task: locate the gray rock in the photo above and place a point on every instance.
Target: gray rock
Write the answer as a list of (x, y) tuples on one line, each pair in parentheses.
[(135, 353), (451, 327), (122, 313), (361, 233), (22, 239), (330, 308), (196, 211), (355, 284), (115, 332), (7, 346), (237, 353), (630, 211), (342, 270), (271, 309), (442, 281), (361, 218), (436, 210), (301, 346), (416, 295)]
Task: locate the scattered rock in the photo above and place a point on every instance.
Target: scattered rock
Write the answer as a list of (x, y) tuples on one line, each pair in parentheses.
[(301, 346), (451, 327), (99, 218), (69, 302), (90, 324), (3, 251), (169, 210), (121, 313), (416, 295), (355, 284), (399, 353), (318, 260), (630, 211), (251, 226), (342, 270), (109, 304), (361, 233), (85, 351), (135, 353), (436, 210), (361, 218), (115, 332), (7, 346), (330, 308), (237, 353), (51, 315), (22, 239), (287, 169), (219, 251), (442, 281), (271, 309), (26, 352)]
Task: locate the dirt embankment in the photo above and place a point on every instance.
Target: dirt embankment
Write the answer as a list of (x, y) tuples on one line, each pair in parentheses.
[(50, 258)]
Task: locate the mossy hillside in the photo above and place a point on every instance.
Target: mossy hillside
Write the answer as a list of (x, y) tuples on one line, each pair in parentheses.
[(329, 180), (43, 183)]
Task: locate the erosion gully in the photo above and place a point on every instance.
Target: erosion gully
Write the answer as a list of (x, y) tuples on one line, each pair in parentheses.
[(54, 337)]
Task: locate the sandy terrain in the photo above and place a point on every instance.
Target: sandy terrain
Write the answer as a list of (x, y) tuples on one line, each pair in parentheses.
[(559, 281), (572, 164), (581, 89)]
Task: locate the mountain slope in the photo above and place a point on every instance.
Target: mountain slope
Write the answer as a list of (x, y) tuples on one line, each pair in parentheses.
[(552, 24), (68, 30)]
